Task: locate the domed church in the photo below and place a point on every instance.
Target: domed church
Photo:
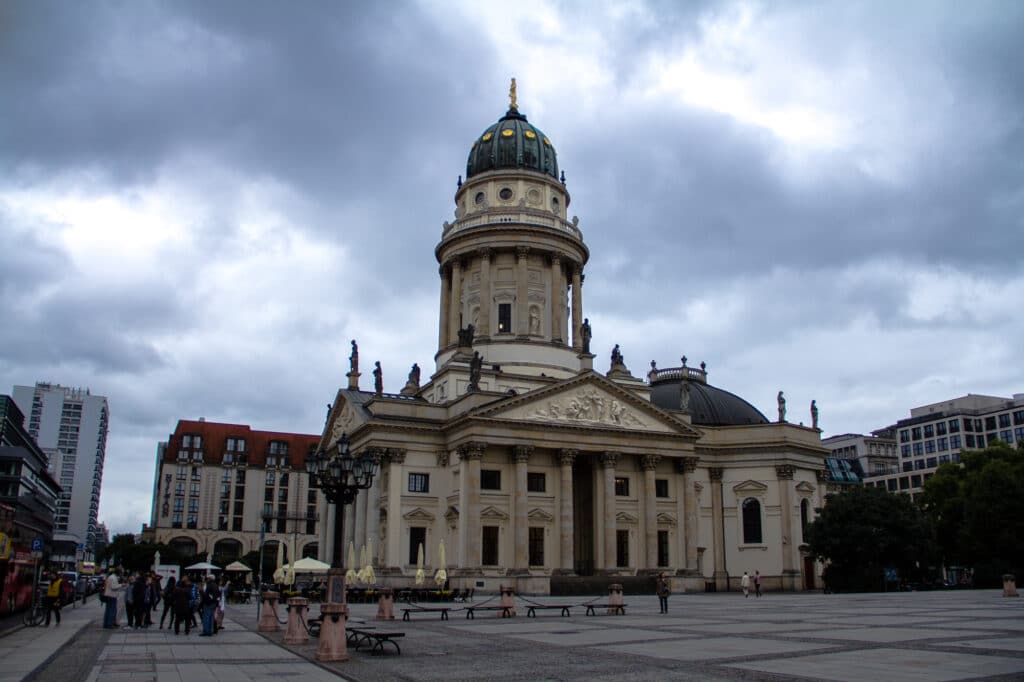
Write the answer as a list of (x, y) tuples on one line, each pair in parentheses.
[(534, 468)]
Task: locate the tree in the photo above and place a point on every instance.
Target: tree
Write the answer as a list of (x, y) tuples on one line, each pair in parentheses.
[(862, 531), (977, 506)]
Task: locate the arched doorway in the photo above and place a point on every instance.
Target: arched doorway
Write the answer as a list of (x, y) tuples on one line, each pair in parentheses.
[(185, 546), (269, 563), (226, 551)]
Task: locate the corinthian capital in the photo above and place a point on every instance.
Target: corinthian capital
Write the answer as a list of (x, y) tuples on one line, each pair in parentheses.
[(521, 453), (649, 462)]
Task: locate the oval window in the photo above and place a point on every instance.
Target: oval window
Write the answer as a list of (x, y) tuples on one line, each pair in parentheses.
[(505, 193)]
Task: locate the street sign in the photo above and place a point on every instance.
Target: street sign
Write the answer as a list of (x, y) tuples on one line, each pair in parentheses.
[(37, 545)]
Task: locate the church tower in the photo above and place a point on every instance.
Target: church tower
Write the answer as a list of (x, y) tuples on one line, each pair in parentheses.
[(511, 265)]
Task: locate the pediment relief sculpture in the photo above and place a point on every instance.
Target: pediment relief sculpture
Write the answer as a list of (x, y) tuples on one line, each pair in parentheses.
[(589, 406), (418, 514), (623, 517), (666, 519), (343, 422), (540, 515)]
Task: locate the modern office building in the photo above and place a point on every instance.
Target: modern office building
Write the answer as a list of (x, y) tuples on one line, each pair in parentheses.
[(27, 490), (70, 425), (864, 457), (222, 488), (937, 433), (535, 469)]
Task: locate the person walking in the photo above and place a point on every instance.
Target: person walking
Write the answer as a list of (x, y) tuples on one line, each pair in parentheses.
[(745, 584), (168, 599), (211, 597), (218, 615), (664, 590), (141, 598), (182, 605), (757, 584), (51, 602)]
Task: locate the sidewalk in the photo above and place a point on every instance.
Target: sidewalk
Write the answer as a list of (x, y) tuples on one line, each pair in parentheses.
[(24, 649)]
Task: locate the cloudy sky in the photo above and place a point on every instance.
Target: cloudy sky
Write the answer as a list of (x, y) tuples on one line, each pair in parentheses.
[(202, 202)]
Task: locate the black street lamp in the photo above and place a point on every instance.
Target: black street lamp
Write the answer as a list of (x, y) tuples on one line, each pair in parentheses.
[(341, 476)]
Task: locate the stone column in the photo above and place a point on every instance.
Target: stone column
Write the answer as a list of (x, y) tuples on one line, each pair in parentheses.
[(649, 463), (790, 572), (373, 509), (608, 460), (358, 519), (455, 302), (471, 454), (521, 454), (557, 294), (395, 463), (717, 523), (522, 292), (446, 297), (686, 466), (485, 293), (566, 523), (577, 307)]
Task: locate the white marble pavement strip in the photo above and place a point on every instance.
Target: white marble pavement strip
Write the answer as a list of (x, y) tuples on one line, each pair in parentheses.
[(24, 650), (233, 655), (892, 665)]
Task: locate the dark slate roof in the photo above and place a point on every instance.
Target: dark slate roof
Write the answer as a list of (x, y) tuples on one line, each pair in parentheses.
[(512, 143), (709, 405)]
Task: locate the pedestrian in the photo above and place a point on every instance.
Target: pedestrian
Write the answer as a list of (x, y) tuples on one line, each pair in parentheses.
[(218, 616), (211, 597), (745, 584), (195, 599), (141, 600), (757, 583), (168, 599), (129, 601), (664, 590), (112, 589), (182, 604), (51, 602)]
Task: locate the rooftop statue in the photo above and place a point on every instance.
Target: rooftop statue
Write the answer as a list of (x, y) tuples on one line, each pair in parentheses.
[(353, 360), (782, 407), (378, 378)]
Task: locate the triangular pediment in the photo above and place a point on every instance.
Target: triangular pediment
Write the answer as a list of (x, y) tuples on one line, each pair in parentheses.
[(418, 514), (346, 415), (805, 487), (624, 517), (749, 486), (540, 516), (666, 519), (588, 400), (493, 514)]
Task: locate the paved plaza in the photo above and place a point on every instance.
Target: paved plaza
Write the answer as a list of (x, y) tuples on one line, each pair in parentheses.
[(957, 635)]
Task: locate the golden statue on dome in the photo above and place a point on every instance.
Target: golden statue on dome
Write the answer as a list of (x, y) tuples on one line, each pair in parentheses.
[(512, 96)]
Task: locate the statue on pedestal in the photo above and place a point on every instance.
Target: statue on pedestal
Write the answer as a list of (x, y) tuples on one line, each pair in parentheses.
[(782, 407), (378, 378), (353, 360), (814, 414)]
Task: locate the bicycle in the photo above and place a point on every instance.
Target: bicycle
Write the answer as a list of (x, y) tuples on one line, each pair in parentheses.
[(36, 613)]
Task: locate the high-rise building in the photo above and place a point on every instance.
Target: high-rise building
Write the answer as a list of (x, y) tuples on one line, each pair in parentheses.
[(70, 425)]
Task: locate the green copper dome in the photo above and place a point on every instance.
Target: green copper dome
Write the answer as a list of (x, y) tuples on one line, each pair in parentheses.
[(512, 143)]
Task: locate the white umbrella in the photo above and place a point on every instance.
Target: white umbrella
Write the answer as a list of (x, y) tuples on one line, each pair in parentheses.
[(310, 565), (369, 576), (202, 566), (350, 574), (441, 577), (421, 576), (237, 566), (361, 573)]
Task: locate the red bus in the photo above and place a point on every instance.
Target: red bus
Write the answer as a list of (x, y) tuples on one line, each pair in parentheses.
[(18, 573)]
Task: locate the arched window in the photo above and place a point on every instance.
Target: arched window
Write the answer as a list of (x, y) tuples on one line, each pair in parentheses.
[(752, 522), (805, 508)]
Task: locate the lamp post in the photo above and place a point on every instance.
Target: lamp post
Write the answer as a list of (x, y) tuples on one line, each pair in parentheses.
[(341, 476)]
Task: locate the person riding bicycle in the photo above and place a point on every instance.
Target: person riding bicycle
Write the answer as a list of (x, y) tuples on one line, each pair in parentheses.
[(51, 602)]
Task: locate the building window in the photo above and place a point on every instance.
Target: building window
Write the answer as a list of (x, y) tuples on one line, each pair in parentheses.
[(417, 537), (278, 447), (929, 431), (954, 426), (941, 444), (194, 489), (943, 459), (980, 439), (176, 520), (915, 433), (490, 479), (663, 548), (968, 425), (918, 464), (236, 523), (271, 478), (752, 522), (489, 550), (661, 490), (193, 521), (904, 483), (239, 492), (940, 429), (621, 486), (931, 463), (918, 449), (182, 473), (179, 504), (271, 461), (222, 523), (905, 436), (929, 446), (228, 458), (504, 318), (268, 494), (536, 546), (536, 482), (905, 451), (419, 483), (805, 512), (179, 488), (990, 423), (891, 485), (622, 548), (1019, 433), (1018, 417), (915, 481), (1006, 436), (954, 442)]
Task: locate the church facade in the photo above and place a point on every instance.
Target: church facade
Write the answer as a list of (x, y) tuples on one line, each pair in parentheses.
[(530, 465)]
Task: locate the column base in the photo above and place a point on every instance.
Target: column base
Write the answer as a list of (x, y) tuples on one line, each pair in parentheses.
[(333, 645)]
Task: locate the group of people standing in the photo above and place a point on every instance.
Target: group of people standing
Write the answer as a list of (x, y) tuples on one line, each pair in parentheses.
[(746, 580), (139, 595), (663, 588)]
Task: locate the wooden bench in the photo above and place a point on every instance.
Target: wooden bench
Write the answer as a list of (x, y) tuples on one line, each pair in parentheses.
[(427, 609), (506, 611), (359, 636), (531, 610), (617, 609)]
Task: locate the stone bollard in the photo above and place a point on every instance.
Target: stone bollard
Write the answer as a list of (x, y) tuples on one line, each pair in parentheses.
[(332, 645), (615, 598), (1009, 585), (297, 632), (268, 616), (508, 594), (386, 604)]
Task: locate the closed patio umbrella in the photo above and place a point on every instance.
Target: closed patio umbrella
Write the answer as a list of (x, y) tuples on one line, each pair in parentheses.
[(441, 576), (421, 576), (350, 574)]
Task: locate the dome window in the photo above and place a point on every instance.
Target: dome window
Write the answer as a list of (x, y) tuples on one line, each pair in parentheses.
[(506, 133), (487, 136), (554, 204), (505, 193), (530, 134), (479, 199)]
